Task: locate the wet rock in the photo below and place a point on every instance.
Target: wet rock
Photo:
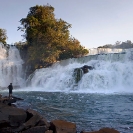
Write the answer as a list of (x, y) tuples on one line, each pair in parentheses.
[(43, 122), (37, 129), (8, 101), (3, 100), (49, 131), (17, 98), (79, 72), (61, 126), (32, 121), (12, 115), (32, 112), (86, 68), (6, 130), (34, 118), (3, 121)]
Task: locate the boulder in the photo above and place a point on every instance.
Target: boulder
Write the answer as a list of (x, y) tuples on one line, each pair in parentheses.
[(49, 131), (61, 126), (79, 72), (86, 67), (32, 112), (11, 115), (4, 122), (33, 118), (32, 121), (6, 130), (8, 101), (43, 122), (3, 100), (37, 129)]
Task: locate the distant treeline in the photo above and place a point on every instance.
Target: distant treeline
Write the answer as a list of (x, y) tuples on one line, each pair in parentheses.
[(120, 45)]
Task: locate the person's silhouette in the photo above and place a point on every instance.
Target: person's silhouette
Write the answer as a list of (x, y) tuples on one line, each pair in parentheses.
[(10, 87)]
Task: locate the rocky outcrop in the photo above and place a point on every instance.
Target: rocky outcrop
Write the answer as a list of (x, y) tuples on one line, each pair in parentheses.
[(61, 126), (14, 120), (11, 116), (79, 72), (37, 129), (9, 101), (86, 68)]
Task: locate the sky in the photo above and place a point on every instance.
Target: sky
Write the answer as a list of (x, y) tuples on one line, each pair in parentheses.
[(94, 22)]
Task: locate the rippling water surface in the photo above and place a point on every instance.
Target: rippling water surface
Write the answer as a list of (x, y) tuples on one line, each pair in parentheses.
[(89, 111)]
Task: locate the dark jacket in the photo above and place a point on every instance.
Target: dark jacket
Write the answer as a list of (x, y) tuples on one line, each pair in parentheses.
[(10, 87)]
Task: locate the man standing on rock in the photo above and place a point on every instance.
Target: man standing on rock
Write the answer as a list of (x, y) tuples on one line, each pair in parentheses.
[(10, 87)]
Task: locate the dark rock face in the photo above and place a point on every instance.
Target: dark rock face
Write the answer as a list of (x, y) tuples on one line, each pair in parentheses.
[(86, 68), (8, 101), (79, 72), (49, 131), (14, 120), (33, 120), (37, 129), (12, 115), (43, 122), (61, 126)]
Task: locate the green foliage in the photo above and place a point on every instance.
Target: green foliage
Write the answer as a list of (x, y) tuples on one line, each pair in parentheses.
[(48, 38), (72, 49), (3, 36)]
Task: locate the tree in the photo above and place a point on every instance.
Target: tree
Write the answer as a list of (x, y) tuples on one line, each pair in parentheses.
[(3, 36), (72, 49), (46, 36)]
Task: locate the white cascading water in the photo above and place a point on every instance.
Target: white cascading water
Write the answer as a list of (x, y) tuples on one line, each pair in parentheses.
[(113, 73), (94, 51), (10, 66)]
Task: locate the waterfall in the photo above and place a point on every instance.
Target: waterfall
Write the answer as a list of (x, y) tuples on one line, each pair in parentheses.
[(10, 66), (113, 72), (94, 51)]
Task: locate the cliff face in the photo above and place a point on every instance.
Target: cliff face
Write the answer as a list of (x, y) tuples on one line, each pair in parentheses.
[(28, 67)]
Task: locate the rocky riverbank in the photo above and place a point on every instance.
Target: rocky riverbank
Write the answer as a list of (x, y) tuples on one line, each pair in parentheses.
[(16, 120)]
